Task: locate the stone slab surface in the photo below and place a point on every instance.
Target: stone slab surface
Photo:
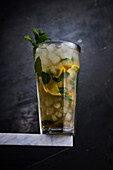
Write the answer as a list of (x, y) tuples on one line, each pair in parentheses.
[(35, 139)]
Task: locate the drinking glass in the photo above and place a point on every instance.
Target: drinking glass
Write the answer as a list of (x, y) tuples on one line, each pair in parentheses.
[(58, 65)]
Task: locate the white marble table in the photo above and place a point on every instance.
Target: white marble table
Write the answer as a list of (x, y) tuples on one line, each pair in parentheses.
[(35, 139)]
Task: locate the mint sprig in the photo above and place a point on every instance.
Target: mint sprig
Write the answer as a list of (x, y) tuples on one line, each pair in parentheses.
[(40, 37), (35, 34), (63, 75), (38, 70)]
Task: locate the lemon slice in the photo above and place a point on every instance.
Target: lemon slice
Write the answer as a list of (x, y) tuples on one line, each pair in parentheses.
[(73, 66), (52, 88)]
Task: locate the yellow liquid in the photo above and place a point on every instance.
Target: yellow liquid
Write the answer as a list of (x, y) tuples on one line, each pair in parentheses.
[(57, 111)]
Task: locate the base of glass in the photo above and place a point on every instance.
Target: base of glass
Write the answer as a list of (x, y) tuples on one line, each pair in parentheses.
[(58, 131)]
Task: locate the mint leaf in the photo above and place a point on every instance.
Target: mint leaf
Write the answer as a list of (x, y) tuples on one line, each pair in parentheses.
[(57, 79), (68, 97), (72, 59), (62, 90), (63, 75), (39, 37), (38, 67), (45, 78), (40, 31), (64, 59), (36, 35), (30, 39), (43, 37)]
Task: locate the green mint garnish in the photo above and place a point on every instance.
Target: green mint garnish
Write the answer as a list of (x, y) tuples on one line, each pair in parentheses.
[(65, 59), (30, 39), (38, 69), (72, 59), (63, 75), (40, 37), (45, 78), (35, 34), (68, 97), (62, 90)]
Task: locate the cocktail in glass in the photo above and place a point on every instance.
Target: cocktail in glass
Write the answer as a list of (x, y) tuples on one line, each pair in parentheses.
[(57, 64)]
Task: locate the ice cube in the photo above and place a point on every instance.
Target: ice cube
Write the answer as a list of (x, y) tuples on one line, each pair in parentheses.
[(68, 117), (58, 113), (53, 70), (36, 50), (70, 110), (59, 51), (42, 53), (76, 57), (71, 72), (69, 44), (64, 55), (50, 110), (69, 86), (48, 101), (65, 109), (58, 66), (54, 118), (58, 99), (57, 105), (64, 46), (66, 103), (54, 58), (51, 47), (42, 45), (67, 50), (44, 60)]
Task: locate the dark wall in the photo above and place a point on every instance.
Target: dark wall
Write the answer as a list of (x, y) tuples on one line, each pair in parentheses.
[(86, 22)]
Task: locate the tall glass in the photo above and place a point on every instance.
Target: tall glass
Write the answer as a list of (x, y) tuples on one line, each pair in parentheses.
[(58, 68)]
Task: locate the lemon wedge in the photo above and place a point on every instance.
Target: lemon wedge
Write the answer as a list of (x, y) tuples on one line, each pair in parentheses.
[(52, 88)]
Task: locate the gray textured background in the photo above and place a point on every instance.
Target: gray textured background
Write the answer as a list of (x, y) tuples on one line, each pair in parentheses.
[(88, 20)]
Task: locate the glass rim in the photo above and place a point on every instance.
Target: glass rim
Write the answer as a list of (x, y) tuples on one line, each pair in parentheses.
[(76, 46)]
